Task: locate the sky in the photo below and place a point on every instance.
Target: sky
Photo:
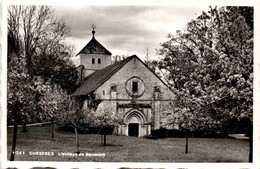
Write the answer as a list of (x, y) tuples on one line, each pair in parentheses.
[(128, 29)]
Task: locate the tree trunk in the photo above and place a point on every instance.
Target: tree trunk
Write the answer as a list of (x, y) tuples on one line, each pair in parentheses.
[(101, 136), (105, 136), (251, 143), (226, 133), (77, 141), (105, 143), (14, 137), (24, 127), (186, 148), (226, 130), (52, 132)]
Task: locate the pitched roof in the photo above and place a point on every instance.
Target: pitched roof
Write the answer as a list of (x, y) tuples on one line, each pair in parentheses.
[(94, 47), (93, 81)]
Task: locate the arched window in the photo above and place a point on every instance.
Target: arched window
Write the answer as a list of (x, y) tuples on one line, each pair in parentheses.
[(93, 60), (99, 61)]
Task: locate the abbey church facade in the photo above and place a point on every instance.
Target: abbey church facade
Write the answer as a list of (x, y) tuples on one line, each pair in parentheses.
[(128, 87)]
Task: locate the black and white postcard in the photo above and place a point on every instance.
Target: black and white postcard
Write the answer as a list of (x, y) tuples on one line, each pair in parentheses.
[(150, 84)]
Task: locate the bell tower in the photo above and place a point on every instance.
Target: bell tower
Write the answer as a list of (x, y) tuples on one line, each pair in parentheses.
[(93, 56)]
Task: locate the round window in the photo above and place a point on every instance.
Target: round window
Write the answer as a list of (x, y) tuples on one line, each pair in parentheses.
[(135, 87)]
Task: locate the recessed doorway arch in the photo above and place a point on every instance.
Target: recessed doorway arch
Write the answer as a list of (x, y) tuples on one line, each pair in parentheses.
[(135, 120)]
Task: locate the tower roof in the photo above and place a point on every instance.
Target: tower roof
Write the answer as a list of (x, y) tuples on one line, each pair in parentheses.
[(94, 47)]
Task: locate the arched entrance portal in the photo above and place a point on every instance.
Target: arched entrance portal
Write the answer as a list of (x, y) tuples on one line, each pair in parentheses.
[(135, 124)]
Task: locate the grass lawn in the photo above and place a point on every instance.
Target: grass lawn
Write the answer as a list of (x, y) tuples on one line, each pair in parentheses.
[(125, 149)]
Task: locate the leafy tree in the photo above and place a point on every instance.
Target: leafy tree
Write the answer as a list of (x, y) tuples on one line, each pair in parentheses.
[(103, 118), (53, 103), (22, 94), (186, 115), (34, 31), (34, 35), (246, 11), (74, 116), (211, 63)]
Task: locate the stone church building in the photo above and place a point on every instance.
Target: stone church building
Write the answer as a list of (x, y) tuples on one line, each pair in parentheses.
[(127, 87)]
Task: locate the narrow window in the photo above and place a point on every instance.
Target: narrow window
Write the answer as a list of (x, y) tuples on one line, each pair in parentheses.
[(104, 92), (93, 60), (99, 61), (135, 87)]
